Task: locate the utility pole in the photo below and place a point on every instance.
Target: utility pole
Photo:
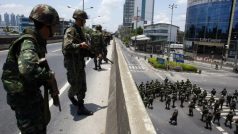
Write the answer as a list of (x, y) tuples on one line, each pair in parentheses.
[(83, 5), (152, 19), (226, 47), (137, 10), (152, 22), (172, 7)]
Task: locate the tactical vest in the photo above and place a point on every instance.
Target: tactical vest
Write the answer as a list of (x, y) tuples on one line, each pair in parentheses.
[(11, 78)]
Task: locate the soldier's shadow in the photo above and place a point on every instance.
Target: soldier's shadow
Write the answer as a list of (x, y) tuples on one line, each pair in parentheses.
[(90, 106)]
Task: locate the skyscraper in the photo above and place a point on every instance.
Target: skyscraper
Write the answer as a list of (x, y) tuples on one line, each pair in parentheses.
[(1, 20), (17, 20), (6, 19), (144, 10), (13, 19), (128, 13)]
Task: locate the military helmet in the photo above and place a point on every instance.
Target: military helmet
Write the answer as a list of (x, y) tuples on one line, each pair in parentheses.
[(45, 14), (98, 27), (79, 14)]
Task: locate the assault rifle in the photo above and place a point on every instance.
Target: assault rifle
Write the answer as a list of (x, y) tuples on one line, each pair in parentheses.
[(51, 86)]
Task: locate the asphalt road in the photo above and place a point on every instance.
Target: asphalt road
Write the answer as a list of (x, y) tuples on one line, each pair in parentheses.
[(210, 78), (66, 121)]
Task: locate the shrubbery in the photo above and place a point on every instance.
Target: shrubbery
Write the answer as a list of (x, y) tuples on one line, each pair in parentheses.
[(173, 65)]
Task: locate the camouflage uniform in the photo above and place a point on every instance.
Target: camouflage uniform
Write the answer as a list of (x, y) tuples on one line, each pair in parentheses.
[(23, 75), (74, 63), (97, 46)]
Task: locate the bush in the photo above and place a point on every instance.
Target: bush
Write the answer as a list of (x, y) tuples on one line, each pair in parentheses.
[(173, 65)]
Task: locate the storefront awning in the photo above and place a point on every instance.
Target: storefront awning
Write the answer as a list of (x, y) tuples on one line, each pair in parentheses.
[(140, 37)]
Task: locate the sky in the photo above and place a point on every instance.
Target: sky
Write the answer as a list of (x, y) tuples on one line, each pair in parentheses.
[(110, 11)]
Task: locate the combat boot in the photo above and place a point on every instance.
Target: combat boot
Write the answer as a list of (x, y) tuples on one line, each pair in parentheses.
[(73, 100), (82, 110)]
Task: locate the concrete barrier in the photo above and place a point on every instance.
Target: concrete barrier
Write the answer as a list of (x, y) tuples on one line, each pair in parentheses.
[(126, 112), (5, 41)]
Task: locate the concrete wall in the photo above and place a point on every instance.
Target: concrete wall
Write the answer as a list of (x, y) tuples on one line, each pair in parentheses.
[(5, 41), (126, 112)]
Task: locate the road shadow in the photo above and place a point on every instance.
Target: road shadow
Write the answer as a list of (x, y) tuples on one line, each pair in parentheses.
[(90, 106)]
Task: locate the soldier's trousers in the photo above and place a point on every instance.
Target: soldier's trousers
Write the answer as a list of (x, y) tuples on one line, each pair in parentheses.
[(29, 114), (216, 118), (208, 124), (191, 111), (78, 85)]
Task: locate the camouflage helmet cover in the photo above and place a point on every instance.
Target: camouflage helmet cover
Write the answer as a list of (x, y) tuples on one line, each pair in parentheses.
[(45, 14), (79, 14)]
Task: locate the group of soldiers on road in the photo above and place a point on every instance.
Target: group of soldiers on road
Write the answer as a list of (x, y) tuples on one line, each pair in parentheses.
[(26, 68), (185, 91)]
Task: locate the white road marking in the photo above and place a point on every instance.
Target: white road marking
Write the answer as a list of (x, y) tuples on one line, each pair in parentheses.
[(220, 129), (3, 51), (66, 85), (56, 50), (198, 109)]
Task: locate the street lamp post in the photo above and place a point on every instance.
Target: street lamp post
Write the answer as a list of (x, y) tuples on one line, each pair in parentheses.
[(83, 5), (172, 8), (75, 8)]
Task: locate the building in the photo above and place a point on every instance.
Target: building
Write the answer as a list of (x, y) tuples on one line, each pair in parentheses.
[(25, 22), (143, 12), (161, 32), (0, 18), (13, 20), (7, 19), (128, 13), (17, 20), (62, 26), (207, 28)]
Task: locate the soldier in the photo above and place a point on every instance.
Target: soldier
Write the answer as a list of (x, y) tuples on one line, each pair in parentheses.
[(162, 93), (107, 38), (216, 105), (233, 106), (173, 119), (204, 112), (208, 121), (26, 70), (204, 94), (224, 92), (211, 100), (174, 98), (146, 101), (150, 104), (194, 99), (213, 92), (228, 99), (235, 94), (217, 116), (200, 100), (221, 101), (75, 49), (166, 80), (167, 103), (182, 100), (97, 44), (229, 118), (191, 106)]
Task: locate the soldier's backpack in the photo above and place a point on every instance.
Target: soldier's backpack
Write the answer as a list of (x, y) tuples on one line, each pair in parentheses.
[(11, 78), (96, 39)]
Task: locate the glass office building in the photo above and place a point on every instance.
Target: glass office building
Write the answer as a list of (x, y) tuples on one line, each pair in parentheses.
[(207, 27)]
